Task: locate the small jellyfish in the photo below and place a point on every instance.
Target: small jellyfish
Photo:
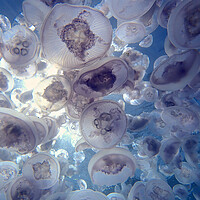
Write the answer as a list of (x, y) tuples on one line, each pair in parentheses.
[(42, 170), (103, 121), (52, 93), (115, 196), (150, 146), (147, 41), (111, 166), (101, 78), (5, 101), (74, 35), (20, 46), (186, 65), (181, 191), (78, 157), (149, 94), (169, 149), (82, 184), (129, 10), (137, 191), (6, 80), (4, 24), (87, 194), (130, 32), (186, 34), (158, 189)]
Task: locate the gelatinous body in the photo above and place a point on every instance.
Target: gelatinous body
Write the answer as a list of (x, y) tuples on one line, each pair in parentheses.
[(103, 124), (137, 191)]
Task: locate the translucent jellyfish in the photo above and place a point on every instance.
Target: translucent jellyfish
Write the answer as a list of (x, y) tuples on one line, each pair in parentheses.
[(52, 93), (129, 10), (103, 124), (74, 35), (186, 174), (21, 188), (4, 24), (136, 123), (82, 145), (190, 147), (78, 157), (186, 65), (82, 184), (158, 189), (111, 166), (115, 196), (5, 101), (147, 41), (102, 78), (170, 49), (87, 194), (18, 133), (130, 32), (159, 60), (186, 35), (42, 170), (150, 146), (8, 171), (149, 94), (169, 149), (181, 191), (165, 11), (195, 83), (20, 46), (137, 191), (181, 118)]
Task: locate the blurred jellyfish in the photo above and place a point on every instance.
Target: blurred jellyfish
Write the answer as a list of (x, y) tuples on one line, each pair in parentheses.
[(147, 41), (111, 166), (180, 191), (149, 94), (78, 157), (115, 196), (103, 121), (74, 35), (186, 64), (6, 80), (82, 184), (42, 170), (5, 101), (186, 35), (4, 24), (137, 191), (158, 189), (101, 78)]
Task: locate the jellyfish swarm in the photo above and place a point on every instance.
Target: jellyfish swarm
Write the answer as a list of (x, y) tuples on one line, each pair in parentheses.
[(111, 166), (103, 124), (42, 170), (74, 35)]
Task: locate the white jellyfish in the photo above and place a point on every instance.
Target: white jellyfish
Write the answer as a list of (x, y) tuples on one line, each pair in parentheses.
[(147, 41), (74, 35), (137, 191), (101, 78), (111, 166), (20, 46), (103, 124), (42, 170), (52, 93), (186, 65), (4, 24), (158, 189), (183, 25), (6, 80)]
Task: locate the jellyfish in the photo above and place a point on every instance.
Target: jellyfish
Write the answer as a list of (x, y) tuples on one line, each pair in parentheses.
[(20, 46), (181, 191), (87, 194), (6, 80), (115, 196), (18, 132), (186, 65), (158, 189), (137, 191), (111, 166), (5, 24), (52, 93), (129, 10), (169, 149), (101, 78), (147, 41), (74, 35), (103, 121), (42, 170), (5, 101), (186, 35)]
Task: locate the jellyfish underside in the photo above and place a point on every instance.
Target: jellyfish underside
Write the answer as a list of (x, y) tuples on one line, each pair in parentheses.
[(3, 81), (78, 37)]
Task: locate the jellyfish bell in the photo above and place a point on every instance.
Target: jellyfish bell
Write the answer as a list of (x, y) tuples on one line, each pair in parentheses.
[(6, 80), (20, 46), (102, 78), (129, 10), (111, 166), (42, 170), (181, 191), (185, 64), (130, 32), (158, 189), (186, 35), (103, 124), (137, 191), (115, 196), (74, 35)]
